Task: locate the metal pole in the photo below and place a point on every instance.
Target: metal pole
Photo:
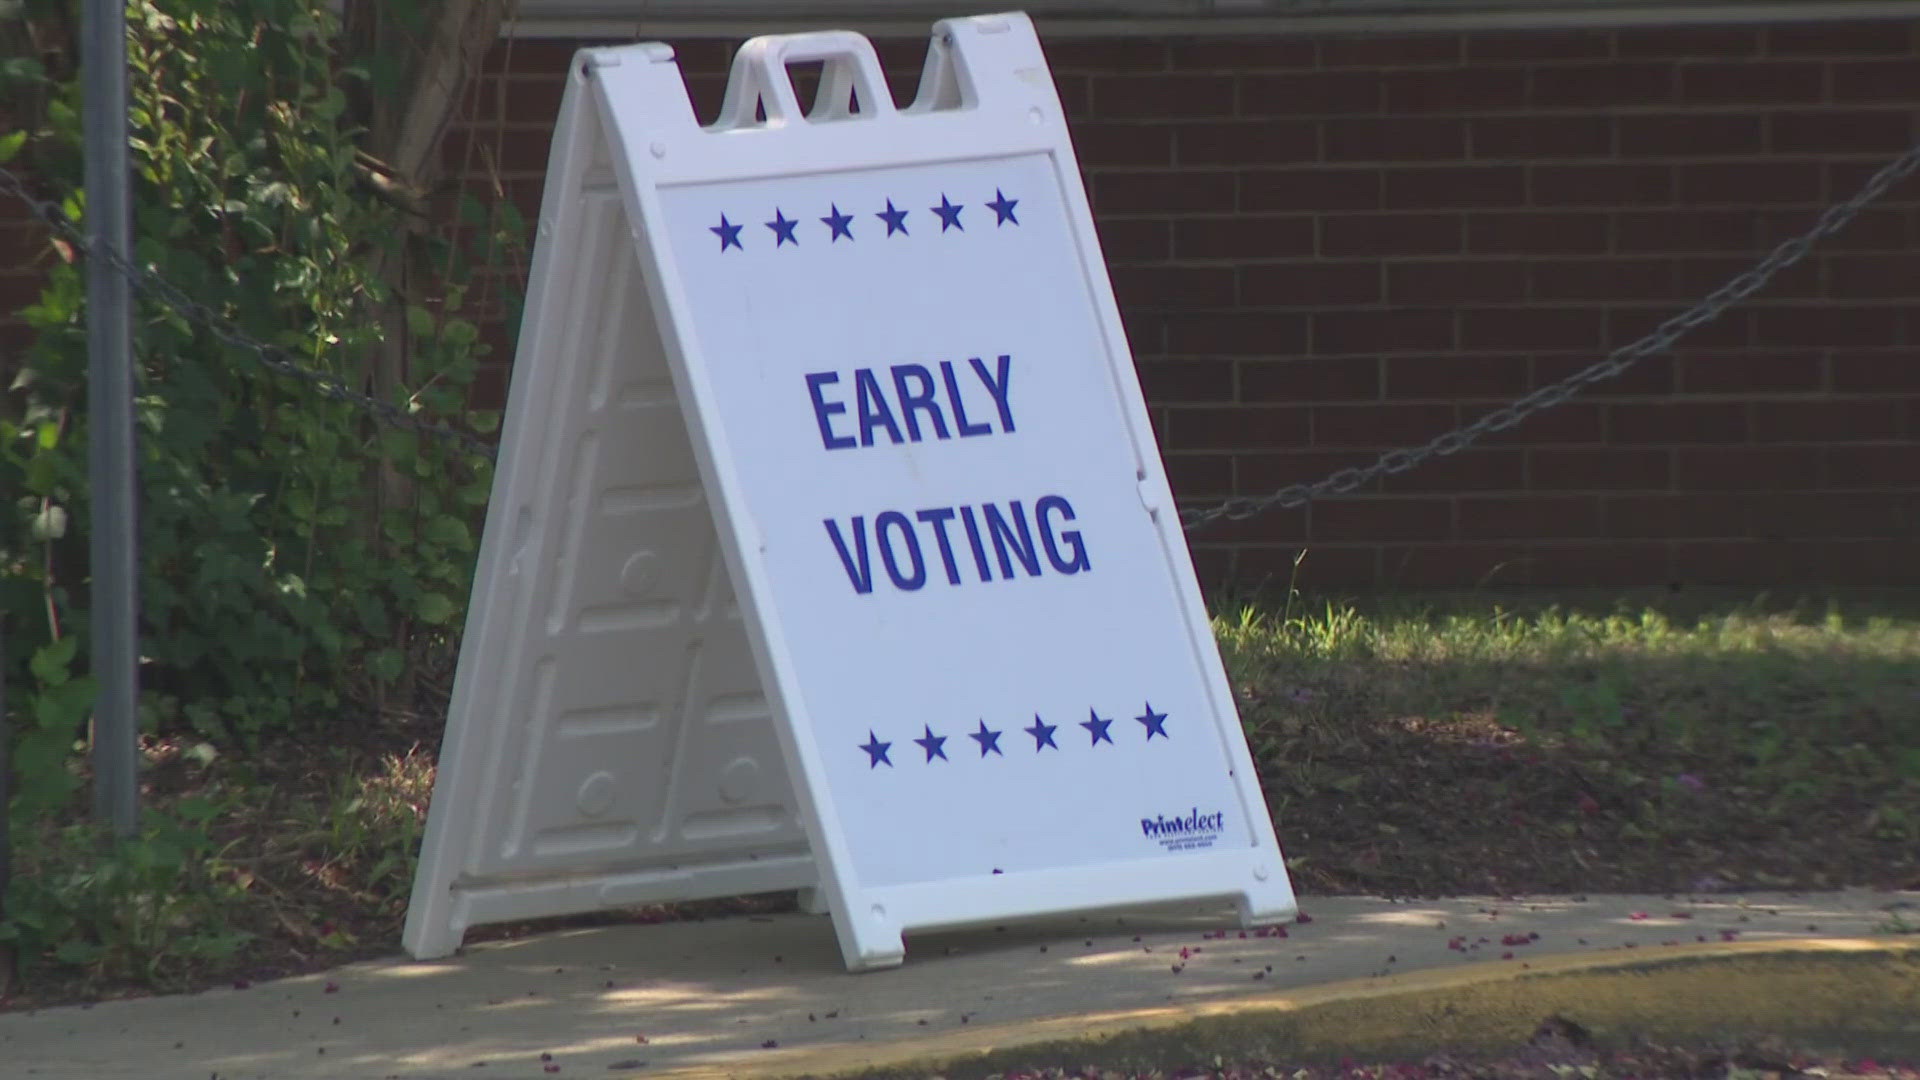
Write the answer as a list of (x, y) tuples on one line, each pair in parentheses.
[(110, 381)]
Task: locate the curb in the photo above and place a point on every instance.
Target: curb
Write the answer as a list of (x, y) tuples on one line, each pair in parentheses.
[(1850, 995)]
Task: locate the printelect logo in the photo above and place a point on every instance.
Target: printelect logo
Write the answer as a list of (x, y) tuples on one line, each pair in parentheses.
[(1178, 833)]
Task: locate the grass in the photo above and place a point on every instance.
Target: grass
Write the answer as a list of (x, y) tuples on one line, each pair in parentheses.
[(1476, 743), (1467, 743)]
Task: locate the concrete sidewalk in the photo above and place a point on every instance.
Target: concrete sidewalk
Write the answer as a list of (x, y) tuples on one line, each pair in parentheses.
[(767, 996)]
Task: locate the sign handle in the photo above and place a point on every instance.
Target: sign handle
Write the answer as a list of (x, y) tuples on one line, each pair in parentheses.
[(759, 80)]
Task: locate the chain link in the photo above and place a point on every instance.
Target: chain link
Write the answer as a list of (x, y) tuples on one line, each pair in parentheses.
[(273, 359), (1239, 508), (1659, 340)]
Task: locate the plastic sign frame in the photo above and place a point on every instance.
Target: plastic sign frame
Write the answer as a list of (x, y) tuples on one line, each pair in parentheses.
[(824, 471)]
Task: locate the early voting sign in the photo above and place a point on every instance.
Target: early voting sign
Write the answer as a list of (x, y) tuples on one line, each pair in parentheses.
[(830, 547)]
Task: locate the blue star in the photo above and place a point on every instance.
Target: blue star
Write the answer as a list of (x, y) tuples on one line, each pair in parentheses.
[(988, 740), (1156, 723), (1002, 208), (782, 228), (840, 223), (1042, 733), (876, 751), (949, 214), (896, 219), (934, 745), (1097, 728), (728, 232)]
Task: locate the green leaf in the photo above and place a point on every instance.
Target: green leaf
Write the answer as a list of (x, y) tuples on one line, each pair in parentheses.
[(419, 321), (50, 661), (433, 608), (450, 531), (10, 145)]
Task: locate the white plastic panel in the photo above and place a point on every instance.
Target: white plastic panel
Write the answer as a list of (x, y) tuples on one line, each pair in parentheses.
[(863, 363)]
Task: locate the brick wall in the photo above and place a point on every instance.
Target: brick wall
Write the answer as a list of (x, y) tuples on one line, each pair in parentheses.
[(1328, 247)]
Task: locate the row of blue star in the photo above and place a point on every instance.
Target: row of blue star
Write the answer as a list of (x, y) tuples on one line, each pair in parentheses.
[(935, 746), (840, 225)]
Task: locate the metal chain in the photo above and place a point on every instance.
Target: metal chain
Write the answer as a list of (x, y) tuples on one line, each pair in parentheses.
[(1394, 462), (1391, 463), (274, 359)]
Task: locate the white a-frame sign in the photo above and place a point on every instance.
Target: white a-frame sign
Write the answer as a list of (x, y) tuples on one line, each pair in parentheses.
[(830, 547)]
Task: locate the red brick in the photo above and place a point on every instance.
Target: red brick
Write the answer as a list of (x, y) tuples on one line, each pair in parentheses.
[(1452, 377), (1376, 519), (1863, 37), (516, 100), (1273, 525), (1532, 138), (1390, 234), (1884, 228), (1562, 424), (1456, 281), (1456, 90), (1212, 566), (1394, 138), (521, 57), (1236, 428), (1186, 381), (1745, 468), (1248, 142), (1309, 379), (1589, 565), (1295, 190), (1162, 192), (1859, 371), (1534, 233), (1134, 238), (1261, 474), (1174, 287), (1162, 96), (1609, 469), (1860, 467), (22, 246), (1108, 146), (1076, 95), (1688, 230), (1677, 422), (1456, 186), (1314, 284), (1858, 131), (1827, 421), (1243, 54), (1839, 515), (1199, 476), (1689, 516), (1476, 565), (1379, 426), (1100, 54), (1601, 185), (1311, 93), (1691, 135), (1733, 562), (1237, 333), (1750, 83), (509, 149), (1733, 329), (1243, 237), (1604, 279), (1724, 42), (1527, 517), (1503, 329), (1475, 469), (1650, 376), (1324, 566), (1389, 50), (1610, 86), (1749, 372), (1392, 330), (1829, 324), (1876, 80), (1750, 183), (1146, 331), (1502, 46), (1700, 276)]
